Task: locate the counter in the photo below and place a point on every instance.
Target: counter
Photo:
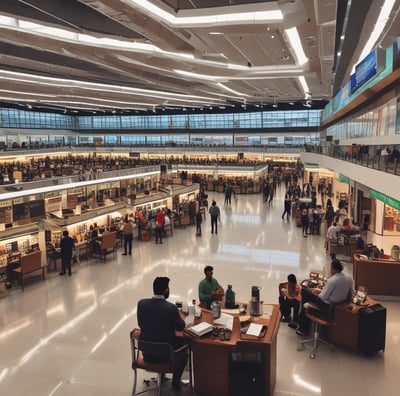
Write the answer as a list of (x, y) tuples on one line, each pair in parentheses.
[(380, 276)]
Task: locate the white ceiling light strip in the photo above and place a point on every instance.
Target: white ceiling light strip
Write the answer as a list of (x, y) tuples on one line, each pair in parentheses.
[(232, 90), (304, 85), (380, 25), (137, 47), (253, 74), (25, 93), (217, 16), (59, 82), (293, 36)]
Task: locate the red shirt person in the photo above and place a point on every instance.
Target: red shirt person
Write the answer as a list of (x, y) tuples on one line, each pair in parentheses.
[(159, 225)]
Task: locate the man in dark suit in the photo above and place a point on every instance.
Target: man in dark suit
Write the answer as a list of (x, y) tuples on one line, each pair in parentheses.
[(158, 320), (67, 245)]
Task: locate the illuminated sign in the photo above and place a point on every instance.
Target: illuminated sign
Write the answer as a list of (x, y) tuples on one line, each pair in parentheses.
[(394, 203), (370, 66)]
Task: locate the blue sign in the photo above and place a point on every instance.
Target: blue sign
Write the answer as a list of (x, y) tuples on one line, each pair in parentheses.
[(364, 71)]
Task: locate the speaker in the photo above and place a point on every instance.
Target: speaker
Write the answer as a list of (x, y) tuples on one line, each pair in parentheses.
[(163, 168)]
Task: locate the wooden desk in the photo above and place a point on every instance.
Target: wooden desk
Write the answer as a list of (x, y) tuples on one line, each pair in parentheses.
[(380, 276), (216, 364), (30, 263), (345, 331)]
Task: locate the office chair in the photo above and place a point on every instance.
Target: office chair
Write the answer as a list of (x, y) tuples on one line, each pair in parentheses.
[(318, 323), (162, 351)]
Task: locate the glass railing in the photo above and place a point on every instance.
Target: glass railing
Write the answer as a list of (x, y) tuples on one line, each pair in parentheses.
[(67, 180), (370, 158)]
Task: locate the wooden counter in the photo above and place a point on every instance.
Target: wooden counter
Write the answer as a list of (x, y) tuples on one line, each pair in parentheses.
[(345, 331), (380, 276), (219, 366)]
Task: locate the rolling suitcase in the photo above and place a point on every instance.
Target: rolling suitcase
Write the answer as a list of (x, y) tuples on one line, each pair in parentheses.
[(372, 329)]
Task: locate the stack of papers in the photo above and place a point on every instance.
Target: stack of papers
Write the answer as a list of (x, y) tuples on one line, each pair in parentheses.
[(200, 329), (255, 329), (224, 320)]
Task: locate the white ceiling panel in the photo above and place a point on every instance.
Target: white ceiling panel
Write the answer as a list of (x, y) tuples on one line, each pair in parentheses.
[(117, 49)]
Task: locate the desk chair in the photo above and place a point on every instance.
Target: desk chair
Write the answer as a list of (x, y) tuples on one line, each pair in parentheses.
[(318, 323), (161, 350)]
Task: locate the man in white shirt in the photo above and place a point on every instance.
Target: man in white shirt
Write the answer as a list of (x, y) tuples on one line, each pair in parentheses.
[(331, 235), (338, 289)]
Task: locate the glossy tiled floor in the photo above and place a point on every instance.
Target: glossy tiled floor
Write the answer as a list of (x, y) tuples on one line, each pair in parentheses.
[(69, 335)]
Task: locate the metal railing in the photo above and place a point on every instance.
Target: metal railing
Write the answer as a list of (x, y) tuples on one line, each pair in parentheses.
[(375, 161)]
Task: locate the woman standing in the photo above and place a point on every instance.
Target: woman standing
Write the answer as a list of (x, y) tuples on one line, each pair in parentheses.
[(127, 232)]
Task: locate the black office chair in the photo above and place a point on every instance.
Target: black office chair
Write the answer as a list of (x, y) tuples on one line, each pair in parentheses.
[(319, 319), (161, 351)]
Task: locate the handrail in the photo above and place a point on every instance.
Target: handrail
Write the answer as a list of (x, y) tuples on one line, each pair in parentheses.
[(66, 180), (374, 161)]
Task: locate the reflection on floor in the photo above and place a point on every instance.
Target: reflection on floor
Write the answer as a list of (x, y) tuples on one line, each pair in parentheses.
[(69, 335)]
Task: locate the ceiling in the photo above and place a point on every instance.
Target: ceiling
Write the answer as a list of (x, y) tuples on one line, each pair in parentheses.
[(126, 56)]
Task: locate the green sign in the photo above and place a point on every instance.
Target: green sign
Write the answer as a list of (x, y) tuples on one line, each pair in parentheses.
[(394, 203), (311, 165), (343, 178)]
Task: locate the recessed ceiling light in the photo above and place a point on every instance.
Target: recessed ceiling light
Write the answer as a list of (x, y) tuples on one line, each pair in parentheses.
[(216, 33)]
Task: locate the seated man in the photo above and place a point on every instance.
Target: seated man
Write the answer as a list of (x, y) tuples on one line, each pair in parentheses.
[(209, 288), (338, 288), (158, 320), (332, 233)]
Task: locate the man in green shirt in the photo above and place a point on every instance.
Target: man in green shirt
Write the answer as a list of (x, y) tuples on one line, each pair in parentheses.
[(209, 288)]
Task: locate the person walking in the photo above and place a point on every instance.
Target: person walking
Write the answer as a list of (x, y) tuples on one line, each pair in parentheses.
[(287, 207), (199, 220), (271, 195), (228, 194), (67, 245), (127, 232), (214, 213), (304, 220)]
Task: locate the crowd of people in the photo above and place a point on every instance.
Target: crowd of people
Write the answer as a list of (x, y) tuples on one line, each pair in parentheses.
[(78, 164), (56, 166)]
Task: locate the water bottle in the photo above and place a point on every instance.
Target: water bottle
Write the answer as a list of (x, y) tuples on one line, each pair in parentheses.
[(230, 298), (216, 309), (255, 301)]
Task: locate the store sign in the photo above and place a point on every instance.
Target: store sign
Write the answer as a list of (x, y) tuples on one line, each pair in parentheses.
[(396, 53), (343, 178), (394, 203), (311, 165), (53, 204), (369, 67), (5, 203)]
